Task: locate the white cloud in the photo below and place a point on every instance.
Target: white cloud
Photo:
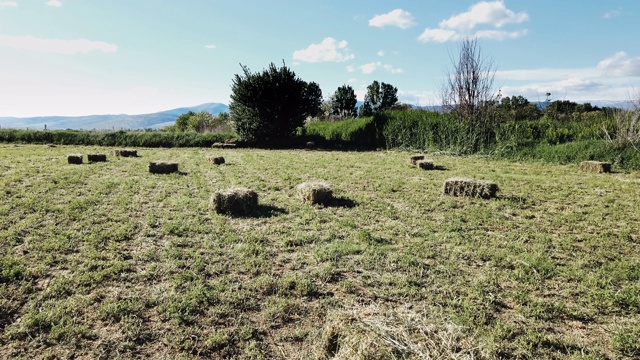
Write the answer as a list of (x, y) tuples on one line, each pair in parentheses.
[(329, 50), (620, 64), (380, 53), (370, 67), (56, 3), (499, 35), (351, 68), (210, 46), (392, 69), (438, 35), (57, 46), (397, 17), (612, 14), (8, 4), (492, 13), (546, 74), (373, 66), (351, 80)]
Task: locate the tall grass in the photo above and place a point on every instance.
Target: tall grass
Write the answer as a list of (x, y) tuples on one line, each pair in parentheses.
[(115, 138)]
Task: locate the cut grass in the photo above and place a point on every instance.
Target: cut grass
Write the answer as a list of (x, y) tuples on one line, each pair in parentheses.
[(114, 262)]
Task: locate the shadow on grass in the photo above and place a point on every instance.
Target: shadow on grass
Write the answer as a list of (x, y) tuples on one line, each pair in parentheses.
[(440, 168), (265, 211), (341, 202)]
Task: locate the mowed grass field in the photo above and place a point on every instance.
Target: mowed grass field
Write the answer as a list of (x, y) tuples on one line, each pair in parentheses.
[(108, 261)]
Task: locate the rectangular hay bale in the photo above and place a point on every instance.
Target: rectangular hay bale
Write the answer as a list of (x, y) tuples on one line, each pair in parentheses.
[(234, 201), (74, 159), (125, 152), (425, 164), (315, 192), (415, 158), (96, 158), (163, 167), (470, 188), (595, 166)]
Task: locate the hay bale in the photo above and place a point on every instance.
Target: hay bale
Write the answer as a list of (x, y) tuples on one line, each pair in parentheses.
[(218, 160), (74, 159), (470, 187), (314, 192), (415, 158), (229, 145), (96, 158), (163, 167), (217, 145), (125, 152), (234, 201), (595, 166), (310, 145), (425, 164)]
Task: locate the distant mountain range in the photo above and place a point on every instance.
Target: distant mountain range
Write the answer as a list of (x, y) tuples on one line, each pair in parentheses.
[(168, 117), (108, 122)]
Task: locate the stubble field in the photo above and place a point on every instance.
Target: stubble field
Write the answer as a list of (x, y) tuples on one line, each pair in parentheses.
[(106, 260)]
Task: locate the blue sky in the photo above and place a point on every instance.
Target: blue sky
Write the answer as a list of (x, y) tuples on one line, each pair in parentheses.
[(81, 57)]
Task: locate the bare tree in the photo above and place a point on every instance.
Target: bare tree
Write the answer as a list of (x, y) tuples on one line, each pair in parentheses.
[(468, 85), (468, 92)]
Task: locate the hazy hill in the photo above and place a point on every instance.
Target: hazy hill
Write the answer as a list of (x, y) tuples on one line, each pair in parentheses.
[(108, 122), (168, 117)]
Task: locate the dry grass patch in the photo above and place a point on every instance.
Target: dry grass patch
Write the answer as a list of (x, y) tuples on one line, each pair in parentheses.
[(381, 332), (234, 201), (595, 166), (470, 188), (315, 192), (163, 167)]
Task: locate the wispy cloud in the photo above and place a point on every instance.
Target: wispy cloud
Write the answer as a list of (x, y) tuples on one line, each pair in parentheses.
[(329, 50), (493, 14), (56, 46), (380, 53), (620, 64), (8, 4), (56, 3), (612, 14), (373, 66), (210, 46), (610, 79), (398, 18)]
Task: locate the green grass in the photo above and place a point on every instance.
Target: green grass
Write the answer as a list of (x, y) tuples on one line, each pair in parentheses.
[(108, 261)]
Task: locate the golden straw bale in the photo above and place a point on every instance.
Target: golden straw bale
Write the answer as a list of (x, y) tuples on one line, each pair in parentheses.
[(595, 166), (425, 164), (163, 167), (316, 192), (218, 160), (125, 152), (415, 158), (470, 188), (96, 158), (74, 159), (234, 201)]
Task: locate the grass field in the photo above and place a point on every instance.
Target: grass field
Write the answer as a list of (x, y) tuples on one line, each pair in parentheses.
[(108, 261)]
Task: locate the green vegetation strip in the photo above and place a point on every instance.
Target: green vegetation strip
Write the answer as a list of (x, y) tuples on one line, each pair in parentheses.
[(105, 260)]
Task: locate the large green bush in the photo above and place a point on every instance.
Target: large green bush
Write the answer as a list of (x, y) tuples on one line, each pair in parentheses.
[(271, 105)]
